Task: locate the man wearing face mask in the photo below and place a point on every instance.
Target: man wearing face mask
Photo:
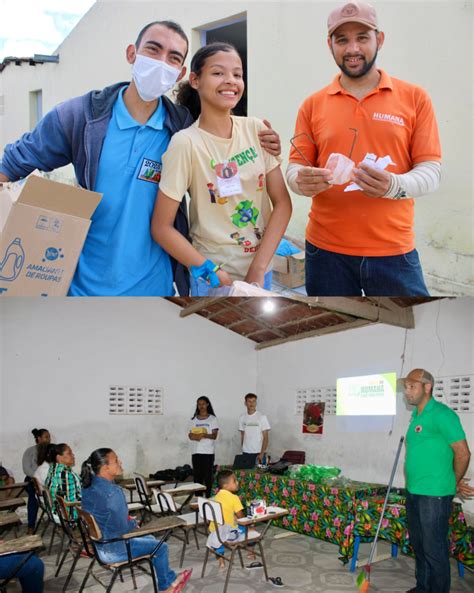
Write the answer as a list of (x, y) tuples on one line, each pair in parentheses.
[(115, 139)]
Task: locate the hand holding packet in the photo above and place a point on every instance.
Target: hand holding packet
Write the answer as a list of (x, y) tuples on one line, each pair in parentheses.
[(341, 167), (372, 160)]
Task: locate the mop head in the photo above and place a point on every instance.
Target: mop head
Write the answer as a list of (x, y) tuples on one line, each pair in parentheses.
[(363, 580)]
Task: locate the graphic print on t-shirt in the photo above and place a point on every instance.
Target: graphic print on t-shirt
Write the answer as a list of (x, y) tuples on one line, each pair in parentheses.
[(245, 213)]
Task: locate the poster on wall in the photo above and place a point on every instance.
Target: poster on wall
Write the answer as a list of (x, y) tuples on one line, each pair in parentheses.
[(313, 418)]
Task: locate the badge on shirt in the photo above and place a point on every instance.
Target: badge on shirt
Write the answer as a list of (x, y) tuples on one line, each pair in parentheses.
[(228, 179), (150, 171), (418, 428)]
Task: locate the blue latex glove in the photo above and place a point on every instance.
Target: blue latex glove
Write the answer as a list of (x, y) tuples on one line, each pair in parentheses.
[(207, 272)]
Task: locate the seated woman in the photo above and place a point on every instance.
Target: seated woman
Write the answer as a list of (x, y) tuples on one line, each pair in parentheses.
[(61, 480), (30, 575), (29, 462), (105, 500)]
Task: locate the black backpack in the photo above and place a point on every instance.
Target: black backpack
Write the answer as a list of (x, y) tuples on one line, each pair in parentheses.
[(280, 467)]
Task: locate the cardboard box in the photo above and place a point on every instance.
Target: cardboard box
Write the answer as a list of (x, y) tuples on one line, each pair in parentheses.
[(43, 237), (289, 270)]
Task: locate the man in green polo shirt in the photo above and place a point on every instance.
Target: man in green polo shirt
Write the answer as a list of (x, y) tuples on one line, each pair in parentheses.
[(437, 457)]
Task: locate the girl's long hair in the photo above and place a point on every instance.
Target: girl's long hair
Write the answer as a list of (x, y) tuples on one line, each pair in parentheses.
[(185, 94), (210, 409)]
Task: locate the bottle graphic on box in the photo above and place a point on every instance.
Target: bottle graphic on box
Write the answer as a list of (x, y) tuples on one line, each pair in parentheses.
[(12, 262)]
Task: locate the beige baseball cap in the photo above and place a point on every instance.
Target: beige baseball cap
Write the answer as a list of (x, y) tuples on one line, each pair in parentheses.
[(420, 376), (352, 12)]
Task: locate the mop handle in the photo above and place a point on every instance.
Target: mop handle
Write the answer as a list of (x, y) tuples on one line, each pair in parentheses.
[(392, 475)]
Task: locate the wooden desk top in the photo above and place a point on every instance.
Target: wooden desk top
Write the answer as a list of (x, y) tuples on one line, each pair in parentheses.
[(23, 544), (21, 485), (185, 488), (9, 519), (150, 483), (156, 525), (271, 514), (10, 503)]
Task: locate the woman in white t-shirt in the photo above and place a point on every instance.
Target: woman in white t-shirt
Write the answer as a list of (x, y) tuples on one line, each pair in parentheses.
[(203, 430), (239, 206), (43, 462)]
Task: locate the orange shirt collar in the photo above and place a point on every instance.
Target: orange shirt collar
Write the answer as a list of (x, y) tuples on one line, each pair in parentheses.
[(335, 87)]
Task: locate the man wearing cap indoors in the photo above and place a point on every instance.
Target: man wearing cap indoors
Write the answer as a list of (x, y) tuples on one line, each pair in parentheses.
[(437, 457), (363, 240)]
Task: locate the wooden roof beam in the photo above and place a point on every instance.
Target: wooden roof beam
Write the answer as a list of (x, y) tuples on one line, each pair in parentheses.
[(316, 332), (363, 310), (198, 305)]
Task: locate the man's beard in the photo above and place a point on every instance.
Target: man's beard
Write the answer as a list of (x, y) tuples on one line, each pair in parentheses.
[(367, 66)]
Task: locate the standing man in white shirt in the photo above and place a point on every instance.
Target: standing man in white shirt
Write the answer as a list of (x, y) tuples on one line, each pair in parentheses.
[(254, 428)]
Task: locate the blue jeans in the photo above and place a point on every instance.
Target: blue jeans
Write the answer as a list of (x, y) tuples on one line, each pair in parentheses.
[(428, 520), (200, 288), (30, 575), (144, 545), (32, 504), (335, 274)]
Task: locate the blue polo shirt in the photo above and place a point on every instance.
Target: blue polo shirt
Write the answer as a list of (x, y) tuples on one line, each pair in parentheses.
[(120, 257)]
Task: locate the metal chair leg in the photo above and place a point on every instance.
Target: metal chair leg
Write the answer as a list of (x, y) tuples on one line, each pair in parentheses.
[(196, 537), (45, 528), (60, 550), (183, 551), (241, 559), (71, 570), (264, 562), (39, 521), (227, 578), (112, 580), (206, 557), (133, 577), (52, 538), (153, 576), (88, 574), (60, 565)]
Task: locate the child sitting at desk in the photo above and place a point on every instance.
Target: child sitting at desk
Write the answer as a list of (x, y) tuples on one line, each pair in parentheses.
[(232, 509)]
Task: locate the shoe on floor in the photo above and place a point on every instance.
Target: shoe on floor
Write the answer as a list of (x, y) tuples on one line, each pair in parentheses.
[(254, 565), (276, 581)]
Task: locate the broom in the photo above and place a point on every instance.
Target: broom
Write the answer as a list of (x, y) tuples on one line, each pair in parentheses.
[(363, 580)]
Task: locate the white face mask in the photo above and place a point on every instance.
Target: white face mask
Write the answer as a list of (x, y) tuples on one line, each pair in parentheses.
[(153, 78)]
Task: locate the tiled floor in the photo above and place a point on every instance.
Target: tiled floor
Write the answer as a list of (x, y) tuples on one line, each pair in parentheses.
[(306, 565)]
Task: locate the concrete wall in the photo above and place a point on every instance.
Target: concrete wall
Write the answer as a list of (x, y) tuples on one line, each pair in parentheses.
[(364, 449), (288, 60), (60, 357)]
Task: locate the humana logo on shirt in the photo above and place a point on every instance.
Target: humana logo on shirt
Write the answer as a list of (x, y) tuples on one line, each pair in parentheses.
[(394, 119)]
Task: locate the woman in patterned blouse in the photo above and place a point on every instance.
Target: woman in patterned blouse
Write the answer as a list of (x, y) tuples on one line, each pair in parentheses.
[(61, 480)]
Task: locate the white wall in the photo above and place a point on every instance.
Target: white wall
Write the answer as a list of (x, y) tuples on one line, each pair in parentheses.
[(61, 355), (320, 361), (288, 59)]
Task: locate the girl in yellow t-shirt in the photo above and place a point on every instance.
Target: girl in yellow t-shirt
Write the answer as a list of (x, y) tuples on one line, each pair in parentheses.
[(239, 207)]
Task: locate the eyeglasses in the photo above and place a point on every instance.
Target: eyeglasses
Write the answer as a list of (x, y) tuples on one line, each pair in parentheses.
[(292, 142)]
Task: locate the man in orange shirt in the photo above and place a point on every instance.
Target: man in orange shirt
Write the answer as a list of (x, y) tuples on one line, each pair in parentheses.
[(360, 240)]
